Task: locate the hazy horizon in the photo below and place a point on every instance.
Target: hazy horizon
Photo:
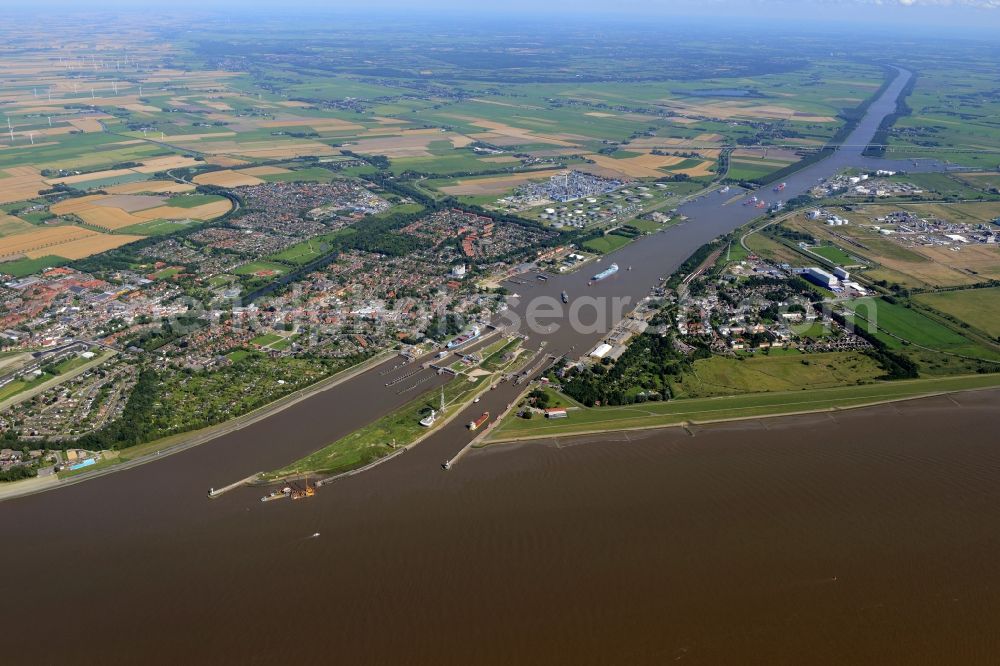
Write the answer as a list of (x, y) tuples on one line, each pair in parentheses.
[(929, 14)]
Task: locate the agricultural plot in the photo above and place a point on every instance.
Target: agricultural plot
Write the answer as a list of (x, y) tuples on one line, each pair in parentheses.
[(727, 376), (834, 254), (607, 243), (84, 247), (227, 178), (979, 308), (897, 323), (43, 240)]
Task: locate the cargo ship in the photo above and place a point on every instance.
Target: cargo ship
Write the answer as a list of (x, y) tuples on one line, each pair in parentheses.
[(472, 334), (565, 297), (475, 425), (606, 273)]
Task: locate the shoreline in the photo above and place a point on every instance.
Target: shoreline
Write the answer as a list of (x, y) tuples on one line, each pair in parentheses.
[(184, 441), (685, 424)]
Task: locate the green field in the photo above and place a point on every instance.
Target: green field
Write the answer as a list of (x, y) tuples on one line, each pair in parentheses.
[(606, 244), (912, 326), (834, 254), (302, 253), (977, 307), (24, 267), (158, 227), (775, 372), (192, 200), (703, 410), (260, 266), (13, 226), (266, 339)]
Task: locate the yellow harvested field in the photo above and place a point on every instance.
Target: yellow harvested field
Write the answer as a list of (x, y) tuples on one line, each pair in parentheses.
[(141, 108), (395, 146), (42, 240), (223, 161), (109, 218), (20, 183), (263, 171), (72, 206), (515, 133), (157, 186), (732, 109), (155, 164), (643, 166), (227, 178), (85, 247), (86, 124), (497, 184), (22, 171), (57, 131), (319, 124), (204, 212)]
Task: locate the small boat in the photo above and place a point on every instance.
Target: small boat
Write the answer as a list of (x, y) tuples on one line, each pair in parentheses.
[(277, 494), (446, 465), (308, 491), (475, 425), (429, 420)]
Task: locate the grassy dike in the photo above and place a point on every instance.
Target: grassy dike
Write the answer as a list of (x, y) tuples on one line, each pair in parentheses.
[(585, 420), (402, 427)]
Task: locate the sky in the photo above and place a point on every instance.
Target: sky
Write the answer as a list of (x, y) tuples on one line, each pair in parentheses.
[(929, 13)]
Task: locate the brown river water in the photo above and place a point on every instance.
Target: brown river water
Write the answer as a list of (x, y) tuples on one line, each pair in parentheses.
[(866, 537)]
